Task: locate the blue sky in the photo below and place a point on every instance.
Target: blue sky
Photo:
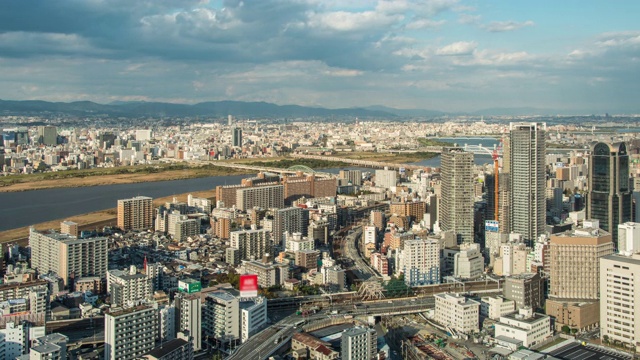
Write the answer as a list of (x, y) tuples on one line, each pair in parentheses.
[(450, 55)]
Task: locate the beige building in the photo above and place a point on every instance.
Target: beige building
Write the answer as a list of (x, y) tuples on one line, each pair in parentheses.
[(68, 256), (457, 312), (456, 208), (527, 327), (135, 213), (527, 290), (308, 347), (576, 315), (574, 262), (69, 228), (619, 298), (493, 307), (261, 196)]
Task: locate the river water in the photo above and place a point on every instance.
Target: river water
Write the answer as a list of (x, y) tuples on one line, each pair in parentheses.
[(25, 208)]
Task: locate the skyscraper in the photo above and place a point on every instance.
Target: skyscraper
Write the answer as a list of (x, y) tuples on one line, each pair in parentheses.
[(528, 201), (609, 197), (456, 209), (47, 135), (237, 137)]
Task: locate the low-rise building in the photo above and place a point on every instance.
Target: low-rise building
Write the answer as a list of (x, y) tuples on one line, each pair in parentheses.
[(457, 312), (312, 347), (526, 326), (493, 307)]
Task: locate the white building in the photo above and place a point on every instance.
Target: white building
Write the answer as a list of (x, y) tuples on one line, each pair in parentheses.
[(528, 327), (167, 323), (15, 339), (421, 262), (221, 316), (628, 238), (253, 244), (189, 317), (359, 343), (49, 347), (386, 178), (128, 287), (253, 316), (619, 298), (493, 307), (469, 262), (130, 332), (457, 312), (296, 242), (369, 234)]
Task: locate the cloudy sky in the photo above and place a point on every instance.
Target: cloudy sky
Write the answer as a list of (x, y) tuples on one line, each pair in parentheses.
[(450, 55)]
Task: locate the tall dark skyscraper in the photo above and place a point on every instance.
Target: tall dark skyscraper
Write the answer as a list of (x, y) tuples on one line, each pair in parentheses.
[(609, 191), (237, 137), (528, 200)]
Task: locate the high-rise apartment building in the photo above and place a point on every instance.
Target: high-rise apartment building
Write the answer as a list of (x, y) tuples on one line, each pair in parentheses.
[(68, 256), (609, 197), (628, 237), (421, 262), (253, 316), (130, 332), (253, 244), (287, 220), (528, 203), (619, 299), (359, 343), (309, 186), (413, 209), (456, 207), (574, 261), (271, 196), (127, 287), (221, 316), (189, 317), (386, 178), (135, 213), (351, 176)]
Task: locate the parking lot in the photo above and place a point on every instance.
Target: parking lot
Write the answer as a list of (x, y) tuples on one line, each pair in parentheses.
[(576, 351)]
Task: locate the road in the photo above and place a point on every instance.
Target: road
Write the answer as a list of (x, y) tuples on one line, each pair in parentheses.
[(361, 268)]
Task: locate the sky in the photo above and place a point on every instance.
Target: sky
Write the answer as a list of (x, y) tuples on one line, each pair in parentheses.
[(448, 55)]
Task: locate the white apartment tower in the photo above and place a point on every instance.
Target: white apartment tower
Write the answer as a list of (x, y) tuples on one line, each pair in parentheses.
[(456, 207), (620, 298), (253, 244), (528, 201), (130, 332), (421, 262), (127, 287), (189, 317)]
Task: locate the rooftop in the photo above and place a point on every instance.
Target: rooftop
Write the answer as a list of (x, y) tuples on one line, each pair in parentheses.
[(167, 347)]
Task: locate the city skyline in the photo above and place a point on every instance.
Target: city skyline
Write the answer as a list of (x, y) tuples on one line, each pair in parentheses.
[(442, 55)]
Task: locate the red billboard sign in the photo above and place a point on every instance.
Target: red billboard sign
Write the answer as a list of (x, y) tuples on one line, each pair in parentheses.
[(249, 285)]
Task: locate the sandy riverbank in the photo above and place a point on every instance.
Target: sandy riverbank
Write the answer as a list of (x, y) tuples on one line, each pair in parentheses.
[(90, 221)]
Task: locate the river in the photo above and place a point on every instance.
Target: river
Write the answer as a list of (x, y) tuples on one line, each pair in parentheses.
[(18, 209)]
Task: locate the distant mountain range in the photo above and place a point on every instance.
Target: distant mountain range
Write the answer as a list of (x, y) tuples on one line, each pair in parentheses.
[(238, 109)]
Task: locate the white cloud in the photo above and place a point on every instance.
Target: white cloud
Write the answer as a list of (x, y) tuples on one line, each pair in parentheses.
[(425, 24), (502, 26), (458, 48), (348, 21)]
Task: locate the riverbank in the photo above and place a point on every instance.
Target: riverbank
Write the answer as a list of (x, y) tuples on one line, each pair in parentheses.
[(89, 221), (112, 176), (394, 158)]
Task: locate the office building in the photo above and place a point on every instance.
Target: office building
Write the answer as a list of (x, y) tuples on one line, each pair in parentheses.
[(421, 262), (128, 287), (353, 177), (574, 262), (252, 244), (68, 256), (130, 332), (135, 213), (609, 197), (468, 262), (386, 178), (189, 317), (237, 137), (457, 312), (493, 307), (253, 316), (47, 135), (628, 238), (526, 327), (526, 289), (619, 299), (528, 203), (359, 343), (579, 314), (456, 207), (221, 317), (267, 197)]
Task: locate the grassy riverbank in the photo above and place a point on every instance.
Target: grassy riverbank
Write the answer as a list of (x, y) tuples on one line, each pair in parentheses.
[(395, 158), (111, 176)]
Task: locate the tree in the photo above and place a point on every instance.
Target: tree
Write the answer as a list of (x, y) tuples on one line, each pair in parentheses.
[(566, 329)]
